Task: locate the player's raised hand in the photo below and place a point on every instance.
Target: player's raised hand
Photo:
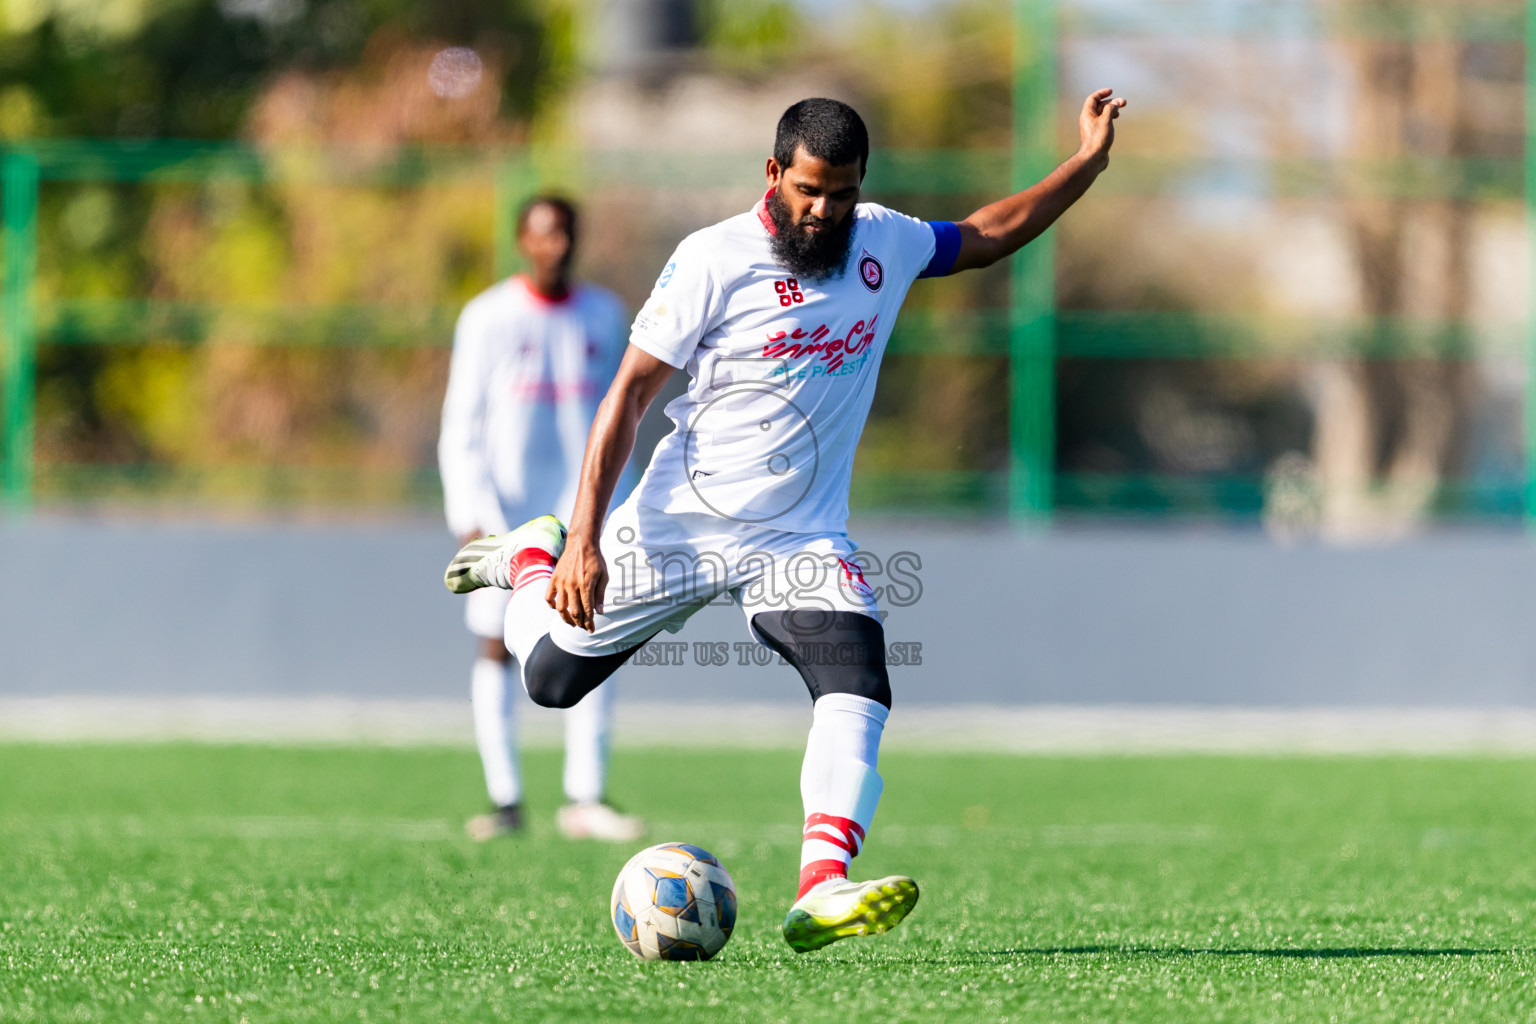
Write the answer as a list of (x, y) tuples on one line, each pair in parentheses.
[(1095, 124), (579, 581)]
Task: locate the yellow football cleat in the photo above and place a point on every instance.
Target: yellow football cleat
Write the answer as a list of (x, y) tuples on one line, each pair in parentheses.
[(840, 909), (487, 562)]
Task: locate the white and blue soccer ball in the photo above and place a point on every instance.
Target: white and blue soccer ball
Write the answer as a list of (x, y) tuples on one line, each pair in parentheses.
[(674, 902)]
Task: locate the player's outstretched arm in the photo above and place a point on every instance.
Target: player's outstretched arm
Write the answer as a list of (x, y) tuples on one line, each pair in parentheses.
[(576, 589), (1001, 229)]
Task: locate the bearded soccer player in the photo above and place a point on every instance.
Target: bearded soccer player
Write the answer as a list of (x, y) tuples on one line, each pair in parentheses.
[(532, 356), (780, 316)]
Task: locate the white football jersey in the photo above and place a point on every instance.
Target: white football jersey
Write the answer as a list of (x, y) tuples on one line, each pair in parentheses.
[(783, 369), (523, 387)]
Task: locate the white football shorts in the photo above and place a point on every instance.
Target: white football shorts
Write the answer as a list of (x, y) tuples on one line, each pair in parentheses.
[(664, 566)]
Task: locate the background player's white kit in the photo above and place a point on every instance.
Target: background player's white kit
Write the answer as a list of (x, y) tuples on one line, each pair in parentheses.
[(526, 376)]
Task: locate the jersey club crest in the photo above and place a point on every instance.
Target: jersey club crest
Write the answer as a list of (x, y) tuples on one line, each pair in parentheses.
[(871, 272)]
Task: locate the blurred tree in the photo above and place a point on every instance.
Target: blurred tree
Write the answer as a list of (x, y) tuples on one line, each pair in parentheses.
[(372, 75), (751, 35), (382, 76), (315, 245), (1388, 431), (194, 68), (935, 76)]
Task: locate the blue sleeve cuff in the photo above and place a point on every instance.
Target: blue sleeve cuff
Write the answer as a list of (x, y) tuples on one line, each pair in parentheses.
[(946, 249)]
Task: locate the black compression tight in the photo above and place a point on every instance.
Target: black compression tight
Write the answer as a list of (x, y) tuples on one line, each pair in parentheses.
[(834, 652), (556, 678)]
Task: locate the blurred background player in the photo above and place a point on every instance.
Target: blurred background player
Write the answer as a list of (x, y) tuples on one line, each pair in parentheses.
[(532, 356)]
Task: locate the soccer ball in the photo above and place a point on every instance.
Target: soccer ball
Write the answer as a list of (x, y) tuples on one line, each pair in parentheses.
[(674, 902)]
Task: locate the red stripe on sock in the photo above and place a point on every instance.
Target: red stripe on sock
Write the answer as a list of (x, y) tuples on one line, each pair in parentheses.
[(818, 871), (527, 576), (530, 558), (850, 833)]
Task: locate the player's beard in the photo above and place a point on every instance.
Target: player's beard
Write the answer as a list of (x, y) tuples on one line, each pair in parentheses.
[(803, 253)]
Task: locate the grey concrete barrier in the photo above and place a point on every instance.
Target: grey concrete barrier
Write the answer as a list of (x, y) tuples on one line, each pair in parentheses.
[(984, 616)]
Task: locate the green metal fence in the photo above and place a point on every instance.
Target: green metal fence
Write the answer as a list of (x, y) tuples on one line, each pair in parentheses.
[(32, 320), (1031, 332)]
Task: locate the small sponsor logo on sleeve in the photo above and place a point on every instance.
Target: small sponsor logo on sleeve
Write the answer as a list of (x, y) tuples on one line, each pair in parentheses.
[(666, 275)]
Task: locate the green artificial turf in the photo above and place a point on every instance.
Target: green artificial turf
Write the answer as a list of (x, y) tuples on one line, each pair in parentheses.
[(225, 883)]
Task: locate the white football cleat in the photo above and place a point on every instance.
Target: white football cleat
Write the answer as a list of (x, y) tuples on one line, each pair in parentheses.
[(840, 909), (598, 821), (486, 562)]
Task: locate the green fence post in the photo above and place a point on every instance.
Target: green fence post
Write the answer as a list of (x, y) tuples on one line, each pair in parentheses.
[(18, 326), (1032, 311), (1530, 228)]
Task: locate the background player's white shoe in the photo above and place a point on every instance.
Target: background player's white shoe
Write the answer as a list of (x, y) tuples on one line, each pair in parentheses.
[(487, 562), (840, 909), (598, 821)]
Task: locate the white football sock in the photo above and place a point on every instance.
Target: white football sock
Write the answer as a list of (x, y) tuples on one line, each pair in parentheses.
[(839, 784), (586, 746), (496, 729), (529, 617)]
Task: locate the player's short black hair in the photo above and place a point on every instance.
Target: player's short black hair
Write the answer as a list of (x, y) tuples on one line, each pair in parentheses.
[(564, 206), (828, 129)]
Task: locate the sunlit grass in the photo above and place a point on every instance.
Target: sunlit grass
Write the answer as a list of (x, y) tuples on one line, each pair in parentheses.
[(241, 883)]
